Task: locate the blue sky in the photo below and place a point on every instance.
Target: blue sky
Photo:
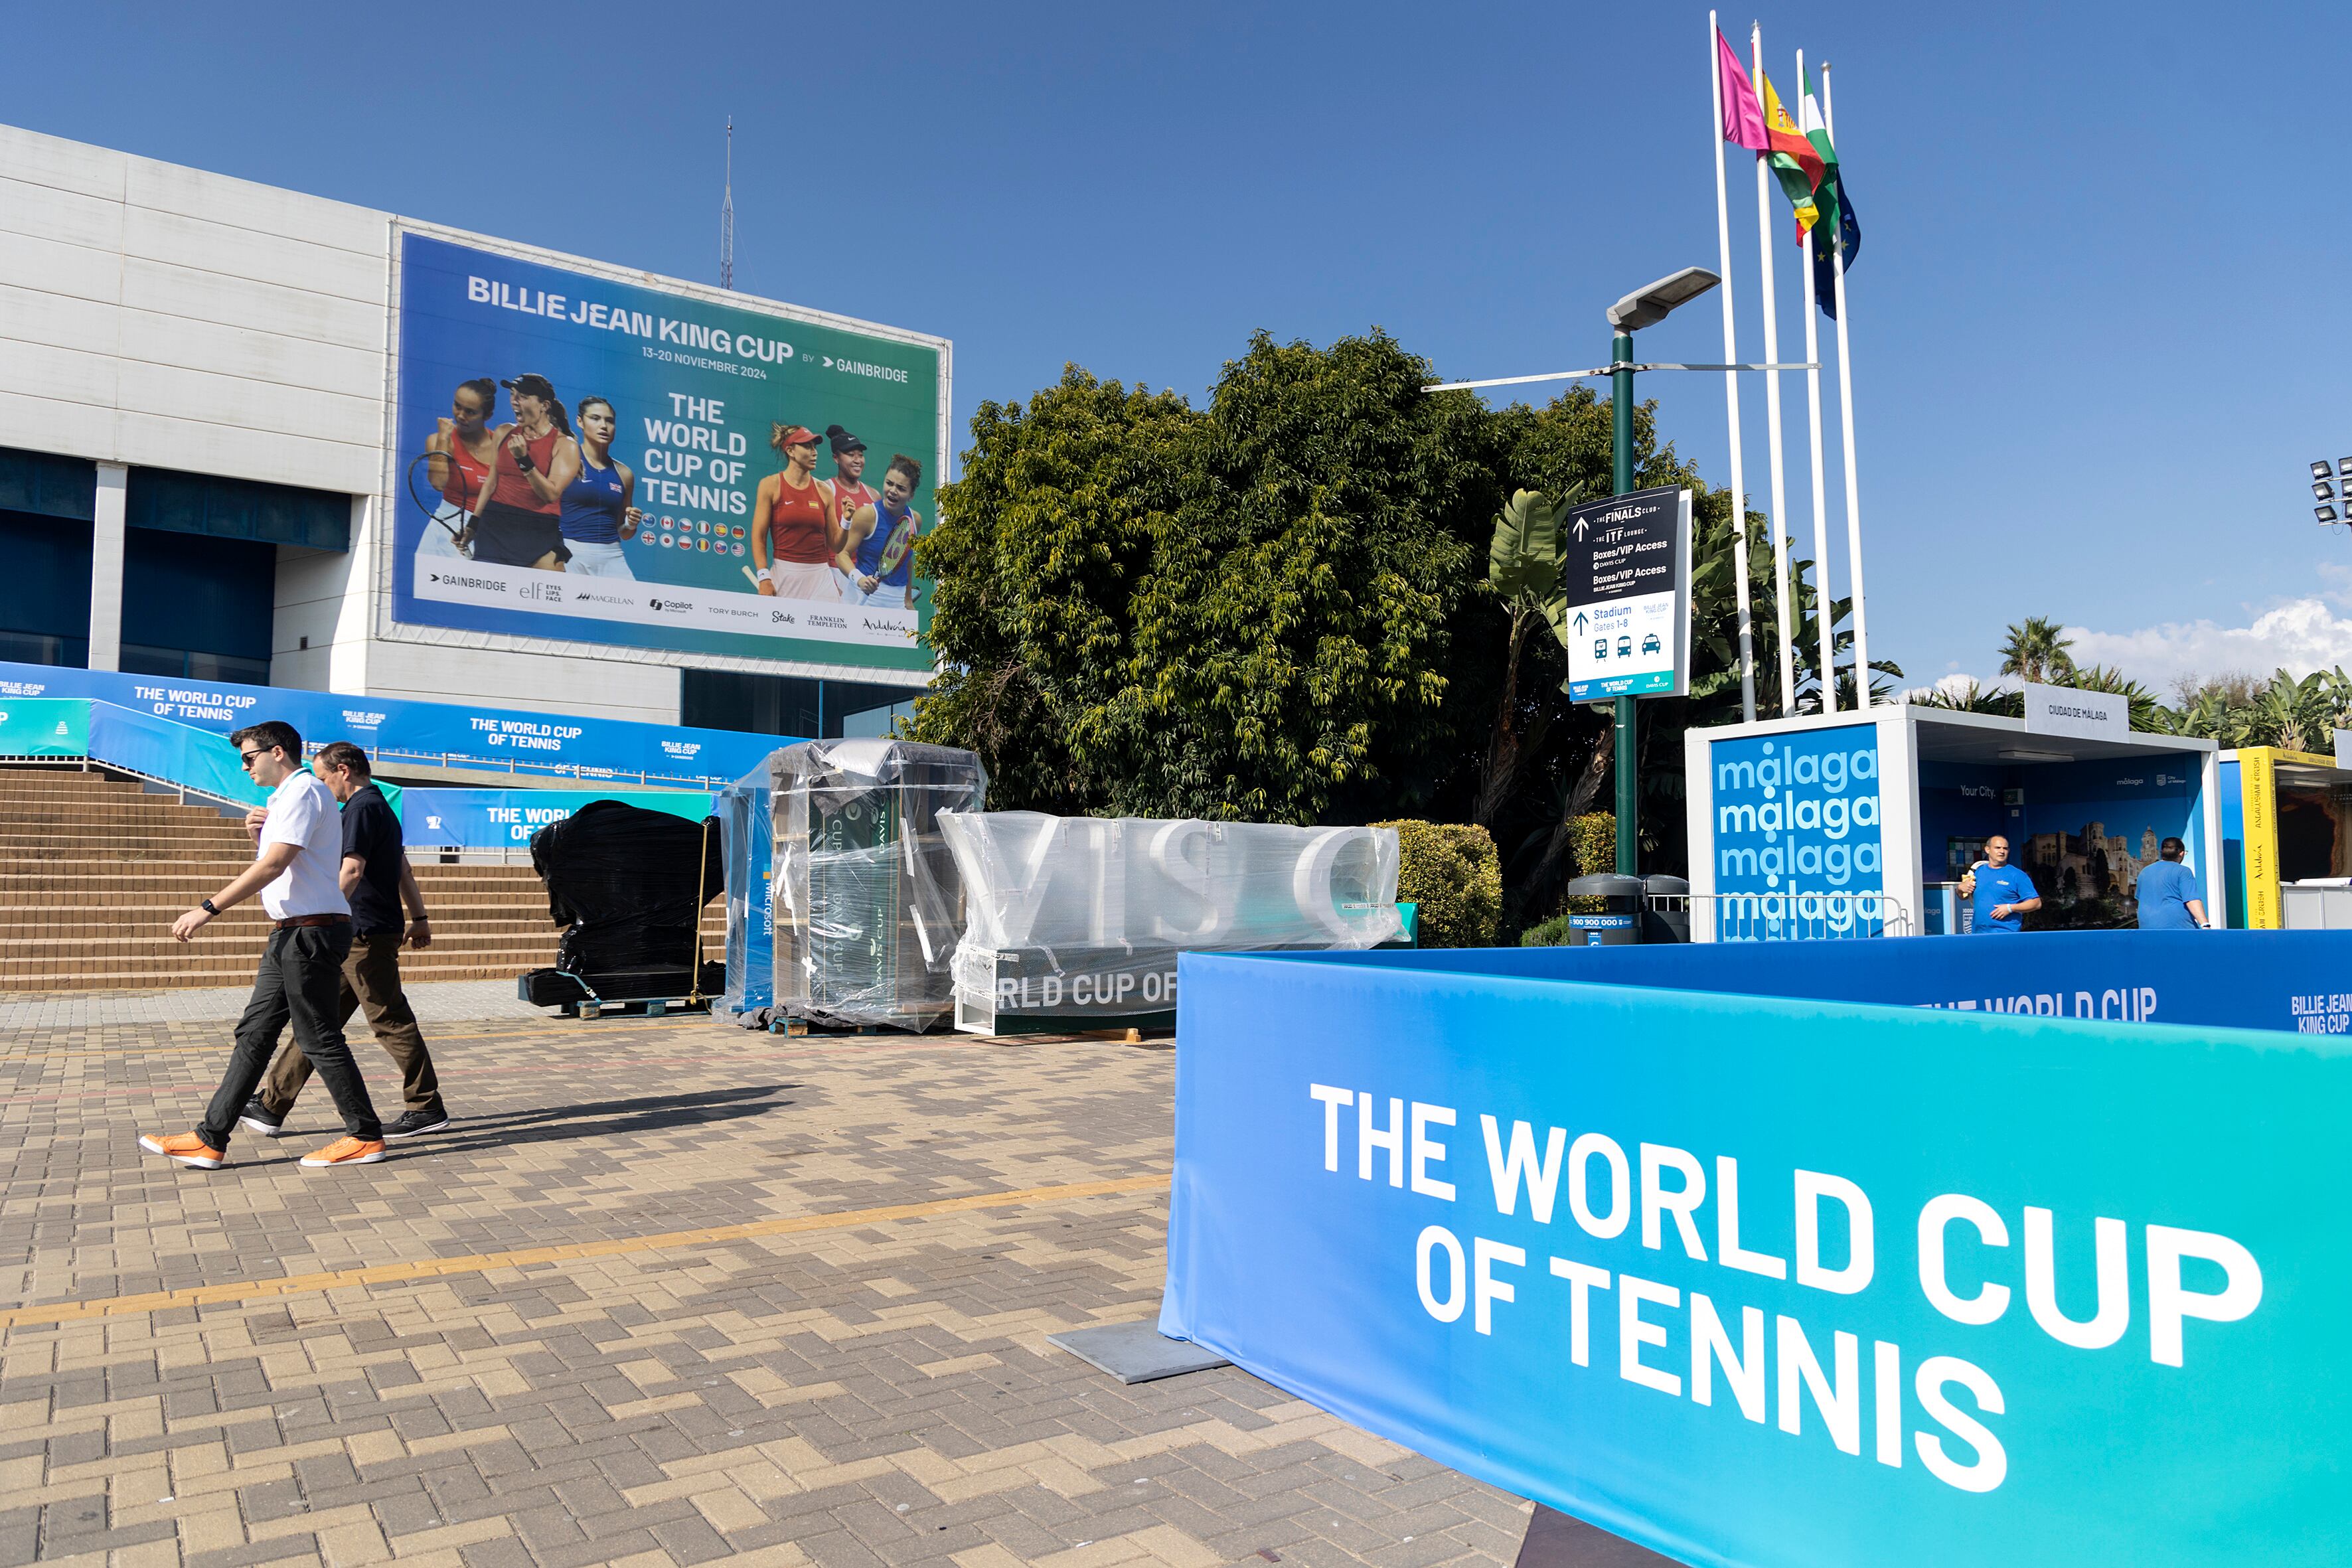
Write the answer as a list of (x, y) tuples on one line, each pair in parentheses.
[(2098, 327)]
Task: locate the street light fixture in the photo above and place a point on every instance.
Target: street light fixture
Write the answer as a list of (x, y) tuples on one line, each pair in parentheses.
[(2326, 514), (2319, 471), (2344, 467), (2321, 491), (1646, 307)]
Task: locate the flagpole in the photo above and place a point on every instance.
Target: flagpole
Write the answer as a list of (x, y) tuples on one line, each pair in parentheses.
[(1845, 415), (1772, 399), (1731, 389), (1814, 423)]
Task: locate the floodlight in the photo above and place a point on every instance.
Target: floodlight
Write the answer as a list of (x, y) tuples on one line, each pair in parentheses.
[(2324, 513), (2321, 471), (2344, 467), (1646, 307), (2322, 491)]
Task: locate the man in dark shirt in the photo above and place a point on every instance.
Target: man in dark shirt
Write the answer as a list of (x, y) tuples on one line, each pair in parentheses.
[(377, 880)]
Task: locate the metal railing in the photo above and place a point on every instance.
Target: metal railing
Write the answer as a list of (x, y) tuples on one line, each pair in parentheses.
[(517, 765), (1787, 917)]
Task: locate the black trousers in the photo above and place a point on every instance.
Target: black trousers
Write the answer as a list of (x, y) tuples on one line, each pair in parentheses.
[(301, 979)]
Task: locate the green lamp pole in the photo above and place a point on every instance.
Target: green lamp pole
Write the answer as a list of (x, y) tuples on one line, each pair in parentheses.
[(1621, 455)]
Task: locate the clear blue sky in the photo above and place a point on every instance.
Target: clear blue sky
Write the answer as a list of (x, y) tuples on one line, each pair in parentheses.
[(2099, 324)]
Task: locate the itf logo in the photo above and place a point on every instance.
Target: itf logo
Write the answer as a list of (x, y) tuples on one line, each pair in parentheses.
[(1796, 824)]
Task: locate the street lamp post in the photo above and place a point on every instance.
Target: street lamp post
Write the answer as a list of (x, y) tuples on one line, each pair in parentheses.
[(1643, 307)]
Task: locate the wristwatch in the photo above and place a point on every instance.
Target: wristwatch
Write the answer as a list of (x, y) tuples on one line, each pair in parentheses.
[(209, 907)]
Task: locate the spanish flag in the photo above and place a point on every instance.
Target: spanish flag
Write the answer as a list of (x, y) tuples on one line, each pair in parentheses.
[(1795, 160)]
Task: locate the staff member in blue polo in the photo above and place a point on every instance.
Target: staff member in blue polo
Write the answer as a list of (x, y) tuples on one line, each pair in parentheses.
[(1999, 892), (2168, 893)]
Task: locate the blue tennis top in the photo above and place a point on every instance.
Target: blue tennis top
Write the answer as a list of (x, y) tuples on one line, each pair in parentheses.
[(594, 503), (2000, 885), (2163, 891)]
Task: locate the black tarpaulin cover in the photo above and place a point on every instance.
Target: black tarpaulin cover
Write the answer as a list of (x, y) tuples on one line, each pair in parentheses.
[(628, 886)]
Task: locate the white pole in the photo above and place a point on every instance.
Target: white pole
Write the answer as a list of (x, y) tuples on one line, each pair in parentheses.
[(1731, 390), (1772, 399), (1813, 421), (1845, 416)]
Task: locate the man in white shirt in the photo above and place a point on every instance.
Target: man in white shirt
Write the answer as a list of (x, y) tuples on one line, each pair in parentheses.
[(298, 853)]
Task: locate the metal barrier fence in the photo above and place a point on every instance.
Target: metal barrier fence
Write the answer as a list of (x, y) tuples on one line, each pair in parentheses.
[(1787, 917)]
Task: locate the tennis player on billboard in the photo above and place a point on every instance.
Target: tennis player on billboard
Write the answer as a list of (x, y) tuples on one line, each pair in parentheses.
[(516, 519), (457, 460), (796, 532), (878, 545), (599, 502)]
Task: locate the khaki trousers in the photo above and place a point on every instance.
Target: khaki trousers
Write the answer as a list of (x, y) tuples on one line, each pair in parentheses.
[(372, 981)]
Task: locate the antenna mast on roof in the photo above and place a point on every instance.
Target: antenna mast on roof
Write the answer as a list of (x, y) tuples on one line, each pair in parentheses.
[(727, 215)]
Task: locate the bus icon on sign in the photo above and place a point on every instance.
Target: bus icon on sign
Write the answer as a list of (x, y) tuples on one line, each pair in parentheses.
[(1601, 648), (1624, 648)]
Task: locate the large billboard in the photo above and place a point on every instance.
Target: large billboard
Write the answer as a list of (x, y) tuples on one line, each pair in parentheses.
[(586, 459)]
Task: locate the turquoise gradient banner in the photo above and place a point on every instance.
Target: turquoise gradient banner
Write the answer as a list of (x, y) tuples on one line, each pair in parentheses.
[(1780, 1282)]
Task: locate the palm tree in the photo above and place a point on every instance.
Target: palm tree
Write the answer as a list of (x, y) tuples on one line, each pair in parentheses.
[(2036, 652)]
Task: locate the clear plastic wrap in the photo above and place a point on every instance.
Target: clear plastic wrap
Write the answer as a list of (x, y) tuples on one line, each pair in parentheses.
[(868, 903), (743, 819), (1080, 918)]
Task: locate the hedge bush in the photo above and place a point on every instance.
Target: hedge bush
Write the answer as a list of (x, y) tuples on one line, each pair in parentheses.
[(1553, 932), (1452, 870)]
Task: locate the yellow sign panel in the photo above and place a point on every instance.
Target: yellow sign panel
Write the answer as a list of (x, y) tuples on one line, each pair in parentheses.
[(2258, 784)]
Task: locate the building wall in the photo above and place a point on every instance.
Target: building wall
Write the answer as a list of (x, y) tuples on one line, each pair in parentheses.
[(165, 317), (162, 317)]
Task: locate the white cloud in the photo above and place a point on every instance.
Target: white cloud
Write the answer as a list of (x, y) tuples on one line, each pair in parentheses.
[(2298, 635)]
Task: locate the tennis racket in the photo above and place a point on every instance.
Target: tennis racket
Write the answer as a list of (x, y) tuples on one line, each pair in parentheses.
[(895, 548), (430, 502)]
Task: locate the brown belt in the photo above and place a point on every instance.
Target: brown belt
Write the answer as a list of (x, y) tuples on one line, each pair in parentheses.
[(313, 921)]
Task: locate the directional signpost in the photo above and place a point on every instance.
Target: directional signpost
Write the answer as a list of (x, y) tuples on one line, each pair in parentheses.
[(1627, 577)]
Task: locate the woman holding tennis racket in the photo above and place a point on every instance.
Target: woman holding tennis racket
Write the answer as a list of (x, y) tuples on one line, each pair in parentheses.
[(878, 545), (793, 520), (516, 517), (599, 496), (457, 460)]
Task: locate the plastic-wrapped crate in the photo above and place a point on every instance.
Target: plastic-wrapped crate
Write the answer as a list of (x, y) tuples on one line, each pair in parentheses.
[(868, 903), (743, 819), (1079, 920)]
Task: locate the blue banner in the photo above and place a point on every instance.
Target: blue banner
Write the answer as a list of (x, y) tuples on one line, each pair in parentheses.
[(434, 734), (653, 424), (506, 818), (1783, 1283), (744, 816), (2296, 981)]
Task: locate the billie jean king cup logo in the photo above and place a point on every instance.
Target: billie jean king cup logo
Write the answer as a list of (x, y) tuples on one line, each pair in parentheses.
[(1796, 826)]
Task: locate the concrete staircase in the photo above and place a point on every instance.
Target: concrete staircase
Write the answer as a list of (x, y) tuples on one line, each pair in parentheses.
[(93, 870)]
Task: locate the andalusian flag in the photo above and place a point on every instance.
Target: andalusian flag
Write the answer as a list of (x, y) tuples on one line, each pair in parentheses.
[(1836, 226), (1794, 159)]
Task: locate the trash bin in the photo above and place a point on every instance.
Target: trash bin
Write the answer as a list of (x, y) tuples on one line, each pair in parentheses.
[(1617, 923), (1665, 915)]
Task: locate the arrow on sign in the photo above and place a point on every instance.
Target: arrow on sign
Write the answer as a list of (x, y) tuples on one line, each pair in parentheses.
[(828, 361), (1580, 526), (1580, 620)]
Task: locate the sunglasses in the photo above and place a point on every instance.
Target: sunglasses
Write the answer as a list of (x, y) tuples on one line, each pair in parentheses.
[(246, 759)]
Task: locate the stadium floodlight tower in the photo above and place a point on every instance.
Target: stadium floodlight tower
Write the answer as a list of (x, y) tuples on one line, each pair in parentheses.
[(1645, 306), (2322, 489)]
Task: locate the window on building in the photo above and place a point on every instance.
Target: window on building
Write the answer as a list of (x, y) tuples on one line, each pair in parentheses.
[(789, 705)]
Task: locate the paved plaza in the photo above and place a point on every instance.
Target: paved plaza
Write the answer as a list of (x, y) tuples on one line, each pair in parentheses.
[(667, 1292)]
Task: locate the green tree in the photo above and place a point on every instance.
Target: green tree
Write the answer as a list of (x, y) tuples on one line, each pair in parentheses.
[(2036, 652), (1246, 611)]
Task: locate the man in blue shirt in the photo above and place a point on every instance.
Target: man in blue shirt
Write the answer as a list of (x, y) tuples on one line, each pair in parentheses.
[(2168, 893), (1999, 892)]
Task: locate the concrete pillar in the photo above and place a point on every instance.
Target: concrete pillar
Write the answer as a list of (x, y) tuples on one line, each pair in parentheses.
[(106, 567)]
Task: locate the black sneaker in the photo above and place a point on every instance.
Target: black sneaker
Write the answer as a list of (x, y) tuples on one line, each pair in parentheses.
[(414, 1123), (256, 1118)]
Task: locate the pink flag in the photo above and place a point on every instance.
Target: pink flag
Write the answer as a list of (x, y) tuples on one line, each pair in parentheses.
[(1743, 116)]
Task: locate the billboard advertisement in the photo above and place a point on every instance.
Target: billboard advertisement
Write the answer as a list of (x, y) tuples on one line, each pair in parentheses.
[(597, 461)]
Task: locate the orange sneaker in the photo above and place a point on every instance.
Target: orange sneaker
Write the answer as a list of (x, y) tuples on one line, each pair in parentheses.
[(346, 1152), (187, 1149)]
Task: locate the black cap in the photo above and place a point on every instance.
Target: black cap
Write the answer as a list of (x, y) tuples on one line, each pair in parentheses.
[(530, 383), (843, 441)]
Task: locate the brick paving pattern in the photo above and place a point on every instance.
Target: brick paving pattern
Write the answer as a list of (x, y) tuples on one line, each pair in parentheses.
[(666, 1293)]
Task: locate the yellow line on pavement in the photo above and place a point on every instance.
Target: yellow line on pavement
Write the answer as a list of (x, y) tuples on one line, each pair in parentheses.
[(483, 1263)]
